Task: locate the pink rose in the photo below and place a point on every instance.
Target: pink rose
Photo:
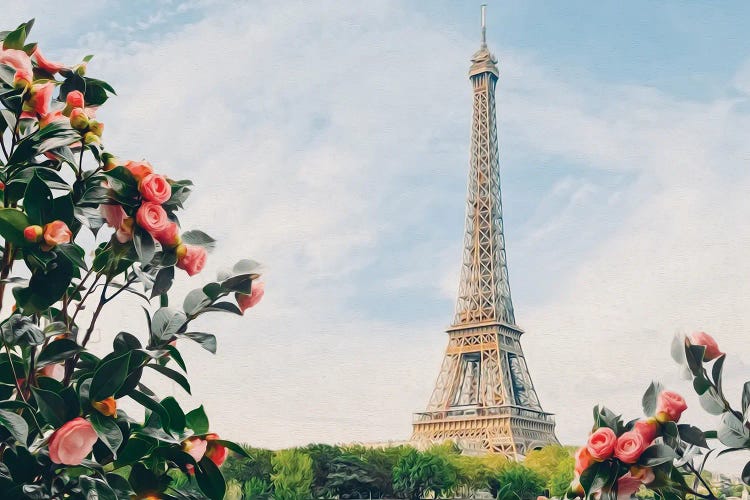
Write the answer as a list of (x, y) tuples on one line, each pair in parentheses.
[(170, 237), (647, 429), (156, 188), (583, 460), (139, 169), (195, 447), (216, 452), (669, 407), (193, 259), (39, 99), (601, 443), (627, 485), (629, 447), (152, 217), (113, 214), (55, 371), (19, 61), (57, 233), (74, 99), (712, 347), (72, 442), (46, 65), (246, 301)]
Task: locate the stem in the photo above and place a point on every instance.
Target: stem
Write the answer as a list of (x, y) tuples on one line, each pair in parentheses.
[(5, 151), (698, 477), (7, 264)]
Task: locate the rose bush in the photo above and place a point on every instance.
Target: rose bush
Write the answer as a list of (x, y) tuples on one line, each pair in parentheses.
[(666, 456), (63, 433)]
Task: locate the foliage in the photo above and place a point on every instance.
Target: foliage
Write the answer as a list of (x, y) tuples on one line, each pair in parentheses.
[(323, 457), (62, 434), (254, 463), (416, 474), (667, 457), (257, 489), (545, 460), (516, 482), (561, 477), (292, 475)]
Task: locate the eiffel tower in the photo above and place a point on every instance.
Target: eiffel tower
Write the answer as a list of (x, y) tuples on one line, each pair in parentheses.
[(484, 399)]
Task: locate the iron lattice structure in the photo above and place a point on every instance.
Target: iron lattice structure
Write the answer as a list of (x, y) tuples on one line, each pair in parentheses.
[(484, 399)]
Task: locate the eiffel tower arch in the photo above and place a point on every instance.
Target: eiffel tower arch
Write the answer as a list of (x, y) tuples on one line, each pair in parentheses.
[(484, 399)]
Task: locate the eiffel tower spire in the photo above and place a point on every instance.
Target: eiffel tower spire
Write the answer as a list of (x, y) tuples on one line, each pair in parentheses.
[(484, 398)]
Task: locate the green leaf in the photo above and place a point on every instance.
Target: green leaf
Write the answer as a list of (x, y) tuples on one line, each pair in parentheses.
[(51, 406), (12, 224), (22, 330), (109, 377), (163, 281), (17, 38), (15, 425), (745, 397), (167, 321), (195, 237), (692, 435), (206, 340), (656, 454), (231, 445), (58, 351), (732, 432), (144, 245), (746, 474), (701, 384), (198, 421), (176, 356), (73, 253), (717, 369), (176, 415), (135, 449), (224, 307), (650, 398), (125, 341), (96, 489), (210, 479), (711, 402), (174, 375), (694, 355), (195, 301), (240, 284), (45, 287), (151, 404), (107, 430)]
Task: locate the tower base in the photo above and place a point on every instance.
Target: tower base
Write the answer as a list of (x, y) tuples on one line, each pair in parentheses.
[(508, 430)]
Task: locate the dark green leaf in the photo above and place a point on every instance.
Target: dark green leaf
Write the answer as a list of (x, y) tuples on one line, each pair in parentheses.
[(240, 284), (198, 420), (107, 430), (210, 479), (176, 415), (151, 404), (109, 377), (231, 445), (144, 245), (692, 435), (657, 454), (51, 406), (746, 474), (12, 224), (125, 341), (135, 449), (745, 397), (57, 351), (17, 38), (15, 425), (96, 489), (174, 375), (175, 354), (206, 340), (163, 281)]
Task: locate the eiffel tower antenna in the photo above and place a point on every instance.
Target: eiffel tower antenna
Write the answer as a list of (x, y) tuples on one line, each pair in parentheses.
[(484, 398), (484, 25)]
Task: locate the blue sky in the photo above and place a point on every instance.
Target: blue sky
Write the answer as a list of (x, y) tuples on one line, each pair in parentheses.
[(329, 140)]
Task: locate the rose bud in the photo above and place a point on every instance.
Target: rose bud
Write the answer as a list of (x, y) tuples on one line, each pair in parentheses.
[(193, 260), (33, 234), (107, 407), (139, 169), (109, 161), (78, 119), (583, 460), (648, 429), (170, 237), (601, 443), (75, 99), (195, 447), (125, 231), (91, 138), (712, 347), (39, 98), (96, 127), (72, 442), (669, 407), (155, 188), (246, 301), (216, 452), (21, 63), (56, 233)]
